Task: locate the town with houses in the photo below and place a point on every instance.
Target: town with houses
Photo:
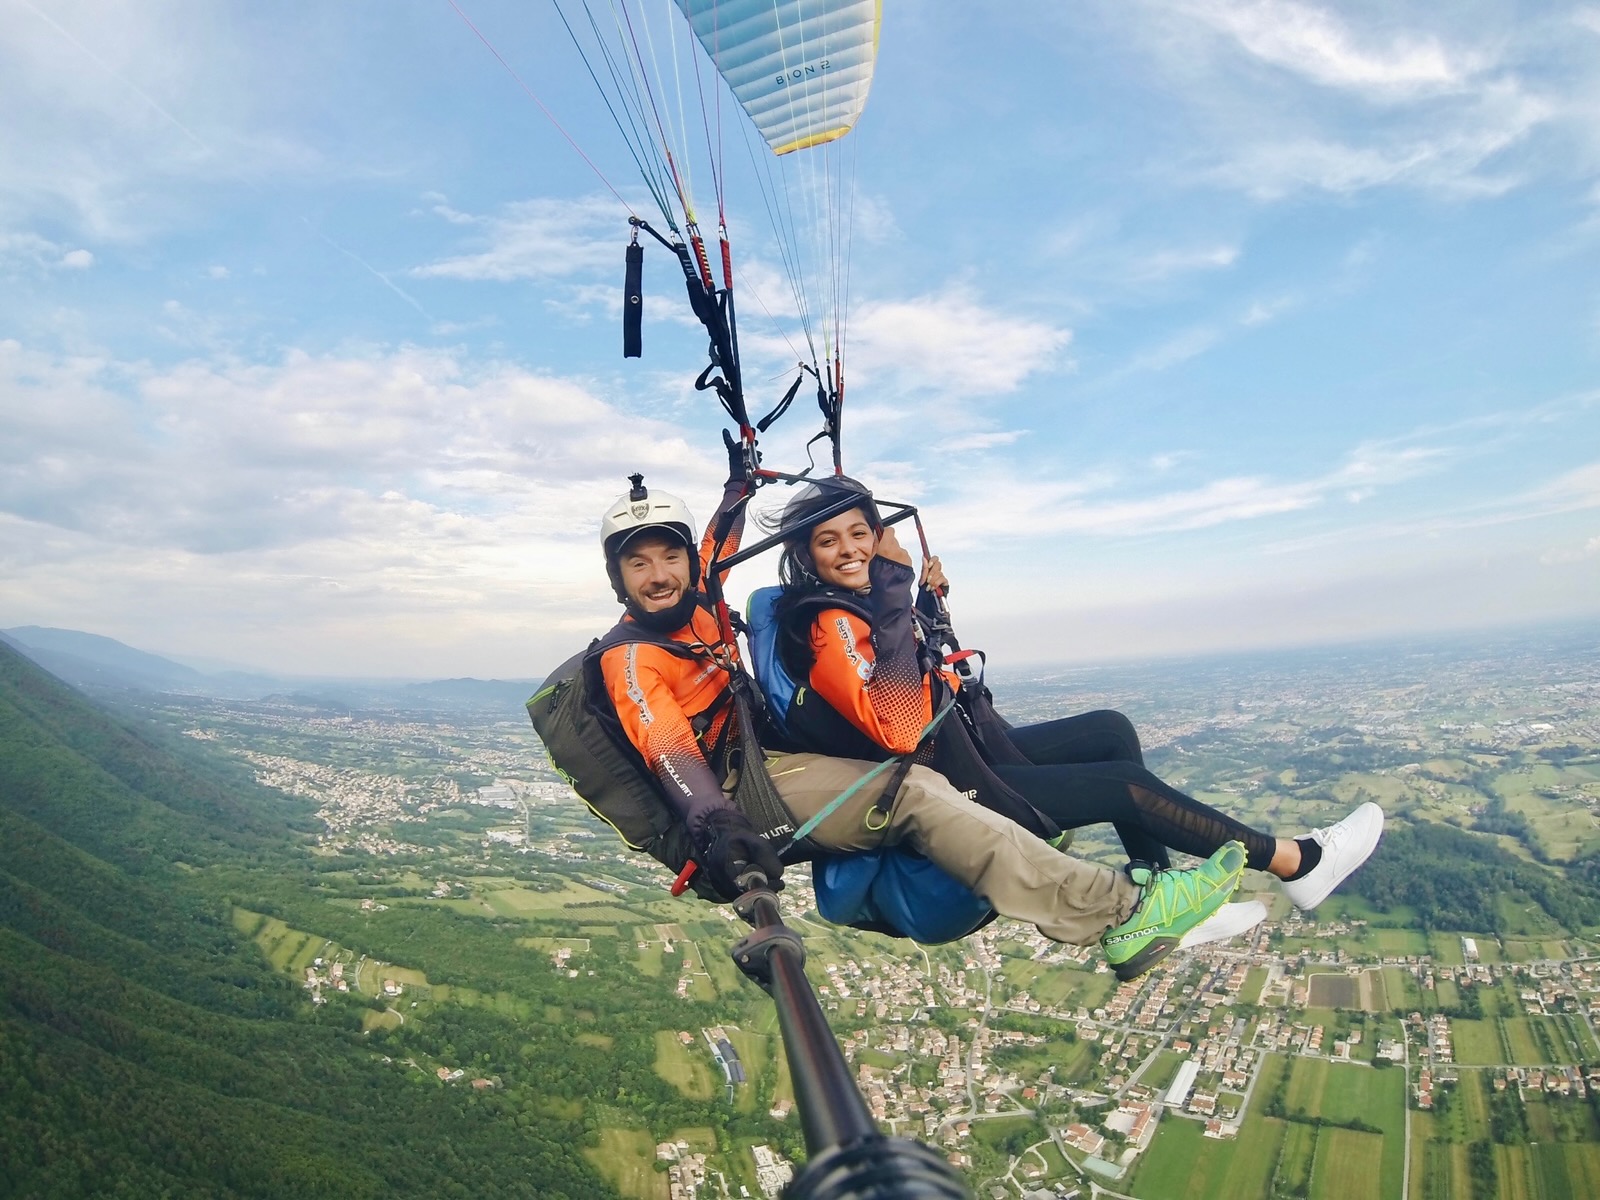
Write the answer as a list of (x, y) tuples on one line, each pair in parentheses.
[(1008, 1031)]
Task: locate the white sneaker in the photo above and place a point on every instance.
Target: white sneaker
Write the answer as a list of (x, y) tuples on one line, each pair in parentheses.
[(1228, 921), (1345, 847)]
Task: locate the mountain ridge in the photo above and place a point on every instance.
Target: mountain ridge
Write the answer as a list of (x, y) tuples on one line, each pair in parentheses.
[(150, 1048), (98, 663)]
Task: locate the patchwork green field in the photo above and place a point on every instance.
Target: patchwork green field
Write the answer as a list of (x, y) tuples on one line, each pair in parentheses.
[(627, 1159), (1064, 987), (1560, 1159), (1478, 1042), (1401, 989), (1348, 1166), (687, 1068), (1406, 942), (1183, 1162), (1548, 1172), (1336, 1092)]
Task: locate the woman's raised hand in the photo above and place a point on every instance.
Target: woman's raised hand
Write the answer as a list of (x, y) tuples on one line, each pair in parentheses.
[(889, 547), (933, 576)]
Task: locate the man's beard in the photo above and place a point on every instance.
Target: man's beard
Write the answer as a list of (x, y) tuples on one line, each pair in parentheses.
[(666, 620)]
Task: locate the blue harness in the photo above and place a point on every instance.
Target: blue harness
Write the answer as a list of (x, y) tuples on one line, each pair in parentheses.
[(891, 889)]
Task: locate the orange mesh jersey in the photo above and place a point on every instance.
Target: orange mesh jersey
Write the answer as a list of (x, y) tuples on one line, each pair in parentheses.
[(874, 682)]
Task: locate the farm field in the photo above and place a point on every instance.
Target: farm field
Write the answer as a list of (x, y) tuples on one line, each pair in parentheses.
[(1340, 1093), (1561, 1159), (1064, 987), (1296, 1160), (1183, 1162), (755, 1051), (1548, 1172), (289, 950), (1399, 941), (1401, 990), (1525, 1043), (1334, 991), (685, 1067), (1253, 983), (1348, 1165), (1477, 1042), (626, 1158), (1160, 1072)]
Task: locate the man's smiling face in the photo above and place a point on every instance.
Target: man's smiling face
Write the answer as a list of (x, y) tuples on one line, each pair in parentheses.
[(655, 571)]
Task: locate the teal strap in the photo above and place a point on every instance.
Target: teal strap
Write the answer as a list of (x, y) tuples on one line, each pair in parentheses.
[(833, 805)]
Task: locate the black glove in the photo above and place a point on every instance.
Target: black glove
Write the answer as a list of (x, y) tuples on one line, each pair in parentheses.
[(738, 468), (733, 847)]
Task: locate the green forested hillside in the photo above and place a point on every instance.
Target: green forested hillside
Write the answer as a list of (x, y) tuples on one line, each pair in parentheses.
[(1456, 880), (146, 1050)]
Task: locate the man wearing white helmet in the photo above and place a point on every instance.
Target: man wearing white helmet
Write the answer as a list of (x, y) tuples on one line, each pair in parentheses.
[(666, 670)]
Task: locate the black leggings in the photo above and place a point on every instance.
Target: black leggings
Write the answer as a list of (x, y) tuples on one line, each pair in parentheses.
[(1089, 770)]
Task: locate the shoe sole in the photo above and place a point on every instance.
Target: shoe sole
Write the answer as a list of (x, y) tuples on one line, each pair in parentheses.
[(1227, 922), (1145, 959)]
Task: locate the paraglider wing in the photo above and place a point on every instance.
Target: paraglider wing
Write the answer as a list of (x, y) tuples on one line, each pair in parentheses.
[(800, 68)]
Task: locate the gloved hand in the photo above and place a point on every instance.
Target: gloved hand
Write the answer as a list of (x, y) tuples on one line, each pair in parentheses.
[(738, 469), (732, 847)]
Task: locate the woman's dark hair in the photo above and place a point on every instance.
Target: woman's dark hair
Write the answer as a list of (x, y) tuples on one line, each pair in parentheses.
[(817, 502)]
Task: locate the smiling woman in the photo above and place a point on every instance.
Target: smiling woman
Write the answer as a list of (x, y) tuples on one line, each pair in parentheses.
[(873, 682)]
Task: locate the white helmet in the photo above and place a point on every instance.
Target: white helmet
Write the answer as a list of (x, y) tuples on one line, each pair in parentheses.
[(638, 510)]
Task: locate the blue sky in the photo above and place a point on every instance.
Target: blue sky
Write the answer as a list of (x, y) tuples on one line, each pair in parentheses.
[(1191, 325)]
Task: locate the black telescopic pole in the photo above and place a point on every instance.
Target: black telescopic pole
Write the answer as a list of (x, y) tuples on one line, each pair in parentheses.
[(831, 1109), (847, 1157)]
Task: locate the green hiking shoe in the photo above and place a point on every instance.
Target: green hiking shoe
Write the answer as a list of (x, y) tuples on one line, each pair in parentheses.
[(1171, 904)]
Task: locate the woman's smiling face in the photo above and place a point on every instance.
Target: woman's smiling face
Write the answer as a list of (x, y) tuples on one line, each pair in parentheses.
[(842, 547)]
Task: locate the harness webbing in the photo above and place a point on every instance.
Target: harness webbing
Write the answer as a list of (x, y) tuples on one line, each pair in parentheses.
[(901, 762)]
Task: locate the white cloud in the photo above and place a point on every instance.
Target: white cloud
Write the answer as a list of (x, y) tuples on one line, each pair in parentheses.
[(536, 239), (1262, 312), (1316, 44), (19, 249), (1456, 157), (872, 220), (1174, 351), (1154, 268), (319, 491), (1589, 549), (1034, 509), (949, 344), (1575, 489), (1277, 97)]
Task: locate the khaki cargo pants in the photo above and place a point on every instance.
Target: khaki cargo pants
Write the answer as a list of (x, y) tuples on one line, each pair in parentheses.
[(1068, 899)]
